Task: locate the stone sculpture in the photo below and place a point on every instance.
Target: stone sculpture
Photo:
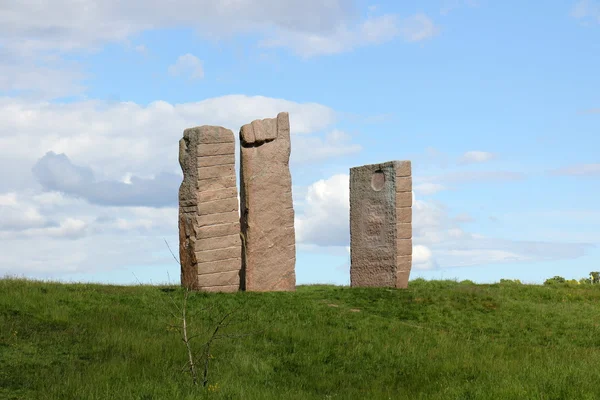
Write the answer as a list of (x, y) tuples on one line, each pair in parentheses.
[(381, 224), (209, 229), (267, 213)]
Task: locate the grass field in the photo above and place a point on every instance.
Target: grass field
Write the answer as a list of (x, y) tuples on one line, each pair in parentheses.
[(436, 340)]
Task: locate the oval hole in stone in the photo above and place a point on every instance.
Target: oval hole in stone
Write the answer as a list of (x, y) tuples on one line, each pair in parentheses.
[(378, 180)]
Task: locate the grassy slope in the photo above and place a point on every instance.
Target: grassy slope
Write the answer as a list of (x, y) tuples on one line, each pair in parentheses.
[(436, 340)]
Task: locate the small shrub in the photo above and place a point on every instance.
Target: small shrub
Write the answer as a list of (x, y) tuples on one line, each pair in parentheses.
[(510, 282), (554, 280)]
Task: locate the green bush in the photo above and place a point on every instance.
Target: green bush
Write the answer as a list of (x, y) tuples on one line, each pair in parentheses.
[(510, 282), (554, 280), (595, 277)]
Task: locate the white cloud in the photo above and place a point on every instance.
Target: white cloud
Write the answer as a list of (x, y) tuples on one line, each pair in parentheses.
[(69, 24), (578, 170), (187, 65), (8, 199), (326, 212), (374, 30), (438, 238), (35, 36), (417, 28), (15, 215), (71, 235), (422, 258), (476, 156), (118, 138), (38, 76), (586, 10), (117, 142)]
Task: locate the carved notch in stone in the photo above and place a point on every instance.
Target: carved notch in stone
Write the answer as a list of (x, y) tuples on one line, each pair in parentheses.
[(267, 213), (381, 224), (209, 230)]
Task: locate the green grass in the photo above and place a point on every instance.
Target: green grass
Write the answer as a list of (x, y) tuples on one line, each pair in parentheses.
[(436, 340)]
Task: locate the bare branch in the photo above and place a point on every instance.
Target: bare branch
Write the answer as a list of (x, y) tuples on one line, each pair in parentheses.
[(171, 251)]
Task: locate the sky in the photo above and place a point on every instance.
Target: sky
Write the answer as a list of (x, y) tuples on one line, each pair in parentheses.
[(497, 105)]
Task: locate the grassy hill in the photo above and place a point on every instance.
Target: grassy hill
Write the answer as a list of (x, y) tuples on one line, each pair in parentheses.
[(436, 340)]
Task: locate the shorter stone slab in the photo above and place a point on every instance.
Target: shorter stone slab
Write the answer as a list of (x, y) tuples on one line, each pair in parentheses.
[(381, 224)]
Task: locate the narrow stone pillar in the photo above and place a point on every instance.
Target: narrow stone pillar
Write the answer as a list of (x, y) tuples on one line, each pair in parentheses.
[(381, 224), (209, 230), (267, 213)]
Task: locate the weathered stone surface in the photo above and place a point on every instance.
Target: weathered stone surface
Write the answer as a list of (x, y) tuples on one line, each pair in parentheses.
[(381, 224), (209, 240), (226, 288), (226, 278), (267, 214), (216, 219), (211, 161)]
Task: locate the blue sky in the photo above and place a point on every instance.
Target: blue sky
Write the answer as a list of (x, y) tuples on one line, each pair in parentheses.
[(497, 105)]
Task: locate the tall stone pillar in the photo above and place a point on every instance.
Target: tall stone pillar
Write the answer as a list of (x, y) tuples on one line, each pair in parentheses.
[(209, 230), (267, 213), (381, 224)]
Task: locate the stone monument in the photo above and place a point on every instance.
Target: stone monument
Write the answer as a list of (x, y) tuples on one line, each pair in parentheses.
[(209, 229), (267, 213), (381, 224)]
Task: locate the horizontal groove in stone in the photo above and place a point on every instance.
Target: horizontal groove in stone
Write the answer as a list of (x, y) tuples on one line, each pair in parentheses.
[(220, 272), (217, 213), (219, 218), (213, 161), (219, 138), (220, 289), (224, 259), (404, 214), (403, 199), (216, 171), (220, 230), (404, 246), (218, 254), (403, 184), (218, 206), (219, 177), (204, 196), (216, 183), (216, 149), (224, 248), (212, 286), (403, 230), (216, 243)]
